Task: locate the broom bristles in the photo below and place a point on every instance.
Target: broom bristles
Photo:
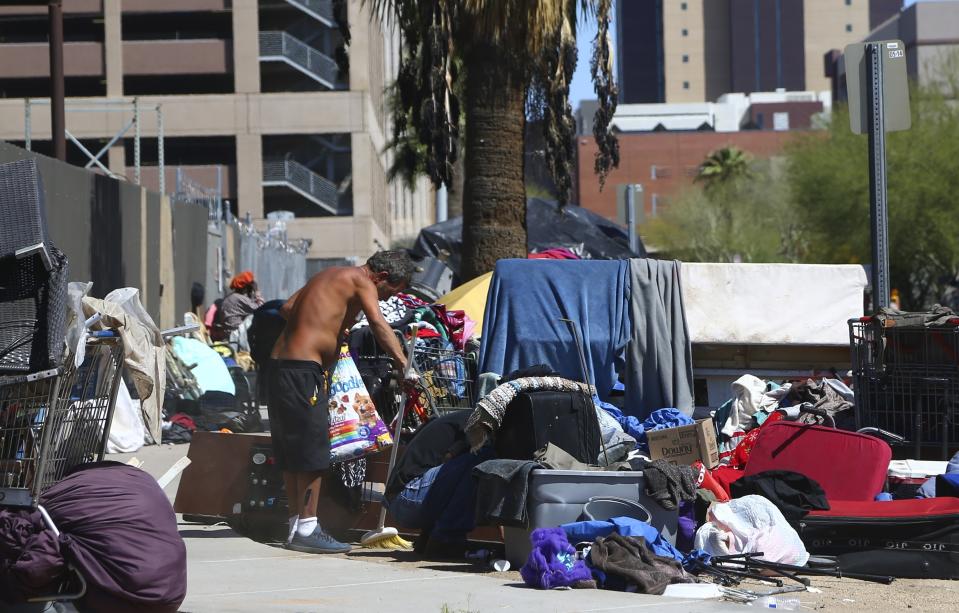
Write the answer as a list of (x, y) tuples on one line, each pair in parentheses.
[(388, 541)]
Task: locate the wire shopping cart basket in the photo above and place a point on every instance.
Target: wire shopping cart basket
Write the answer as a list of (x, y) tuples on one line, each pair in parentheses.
[(445, 381), (906, 380), (447, 375), (54, 420)]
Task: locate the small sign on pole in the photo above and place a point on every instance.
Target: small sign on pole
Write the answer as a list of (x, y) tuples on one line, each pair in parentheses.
[(877, 87), (895, 86)]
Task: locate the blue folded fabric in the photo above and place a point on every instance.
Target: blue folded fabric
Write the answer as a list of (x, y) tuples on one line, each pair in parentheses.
[(589, 531), (527, 303), (658, 420)]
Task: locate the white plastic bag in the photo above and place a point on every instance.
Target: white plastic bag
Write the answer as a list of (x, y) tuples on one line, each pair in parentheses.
[(751, 524), (126, 431)]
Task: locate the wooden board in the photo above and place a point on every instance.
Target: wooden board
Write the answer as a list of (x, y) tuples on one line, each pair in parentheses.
[(217, 480)]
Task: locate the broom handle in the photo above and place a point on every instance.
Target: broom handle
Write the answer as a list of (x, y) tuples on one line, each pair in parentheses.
[(400, 416)]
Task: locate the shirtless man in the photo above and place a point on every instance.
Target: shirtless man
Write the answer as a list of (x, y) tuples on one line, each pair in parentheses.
[(317, 316)]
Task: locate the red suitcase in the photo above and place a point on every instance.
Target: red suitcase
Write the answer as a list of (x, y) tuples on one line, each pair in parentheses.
[(900, 538)]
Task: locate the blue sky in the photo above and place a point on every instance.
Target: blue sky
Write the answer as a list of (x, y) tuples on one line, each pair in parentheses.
[(582, 87)]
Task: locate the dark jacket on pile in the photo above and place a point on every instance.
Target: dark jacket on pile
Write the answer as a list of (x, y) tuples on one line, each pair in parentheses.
[(794, 494), (668, 484), (628, 561), (427, 449), (118, 530), (501, 490)]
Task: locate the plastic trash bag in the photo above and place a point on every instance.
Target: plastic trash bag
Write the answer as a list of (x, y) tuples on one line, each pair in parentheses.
[(751, 524)]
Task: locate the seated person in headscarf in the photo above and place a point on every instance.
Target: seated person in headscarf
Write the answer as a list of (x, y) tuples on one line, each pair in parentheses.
[(237, 306), (430, 488)]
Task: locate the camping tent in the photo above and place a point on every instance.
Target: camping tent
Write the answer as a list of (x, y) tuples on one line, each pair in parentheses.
[(585, 233), (471, 298)]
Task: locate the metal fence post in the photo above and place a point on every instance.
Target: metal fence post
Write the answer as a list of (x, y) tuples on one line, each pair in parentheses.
[(136, 141), (877, 186), (27, 124), (160, 160)]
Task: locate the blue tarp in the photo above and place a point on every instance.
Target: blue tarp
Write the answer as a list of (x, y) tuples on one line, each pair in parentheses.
[(527, 299)]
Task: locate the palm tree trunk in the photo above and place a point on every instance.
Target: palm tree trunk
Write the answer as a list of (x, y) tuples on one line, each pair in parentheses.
[(454, 193), (494, 198)]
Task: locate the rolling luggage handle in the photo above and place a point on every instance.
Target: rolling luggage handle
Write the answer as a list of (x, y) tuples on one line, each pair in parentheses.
[(582, 364)]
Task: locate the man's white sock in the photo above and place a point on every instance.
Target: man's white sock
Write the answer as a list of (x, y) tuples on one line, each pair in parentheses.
[(293, 521), (305, 527)]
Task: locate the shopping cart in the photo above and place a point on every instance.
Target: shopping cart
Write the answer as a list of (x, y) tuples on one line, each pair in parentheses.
[(906, 380), (445, 377), (54, 420)]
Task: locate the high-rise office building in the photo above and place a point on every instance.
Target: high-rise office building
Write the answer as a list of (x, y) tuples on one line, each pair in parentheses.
[(254, 106), (697, 50)]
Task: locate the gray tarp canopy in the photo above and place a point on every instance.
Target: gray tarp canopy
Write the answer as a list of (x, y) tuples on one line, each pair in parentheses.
[(587, 234)]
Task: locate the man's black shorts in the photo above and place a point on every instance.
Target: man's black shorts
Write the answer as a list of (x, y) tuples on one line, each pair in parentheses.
[(298, 404)]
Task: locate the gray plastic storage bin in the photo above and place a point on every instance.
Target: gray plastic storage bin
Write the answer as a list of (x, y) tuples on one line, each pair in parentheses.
[(557, 497)]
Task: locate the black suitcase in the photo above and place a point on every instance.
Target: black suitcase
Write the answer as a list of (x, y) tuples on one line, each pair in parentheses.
[(533, 419), (919, 546)]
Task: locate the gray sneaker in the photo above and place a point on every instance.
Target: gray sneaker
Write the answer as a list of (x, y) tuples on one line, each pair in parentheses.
[(318, 542)]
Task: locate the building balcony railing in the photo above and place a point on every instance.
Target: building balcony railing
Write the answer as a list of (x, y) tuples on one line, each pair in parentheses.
[(293, 175), (321, 10), (279, 46)]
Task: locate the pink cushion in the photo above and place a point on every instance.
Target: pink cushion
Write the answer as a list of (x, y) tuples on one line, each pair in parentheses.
[(848, 466)]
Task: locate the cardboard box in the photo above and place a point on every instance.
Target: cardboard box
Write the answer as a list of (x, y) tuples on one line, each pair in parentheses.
[(686, 444)]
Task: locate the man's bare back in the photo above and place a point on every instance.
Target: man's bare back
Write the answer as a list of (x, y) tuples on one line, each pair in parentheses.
[(318, 315)]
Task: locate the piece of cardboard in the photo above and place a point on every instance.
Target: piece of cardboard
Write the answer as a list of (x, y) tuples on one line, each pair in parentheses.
[(686, 444)]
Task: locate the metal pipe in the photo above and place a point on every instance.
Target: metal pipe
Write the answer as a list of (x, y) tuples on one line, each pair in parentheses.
[(107, 146), (160, 157), (442, 209), (27, 125), (877, 184), (57, 116), (136, 141)]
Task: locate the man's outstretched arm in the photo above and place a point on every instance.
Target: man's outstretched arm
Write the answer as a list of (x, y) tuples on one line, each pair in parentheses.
[(381, 329)]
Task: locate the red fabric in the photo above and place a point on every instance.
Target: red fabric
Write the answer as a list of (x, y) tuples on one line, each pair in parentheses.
[(184, 420), (848, 466), (725, 475), (709, 483), (740, 455), (557, 253), (916, 507), (241, 280)]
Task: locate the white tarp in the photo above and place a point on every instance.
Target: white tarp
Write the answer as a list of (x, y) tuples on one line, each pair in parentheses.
[(772, 304)]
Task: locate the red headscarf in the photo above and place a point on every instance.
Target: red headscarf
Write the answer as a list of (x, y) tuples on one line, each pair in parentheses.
[(242, 280)]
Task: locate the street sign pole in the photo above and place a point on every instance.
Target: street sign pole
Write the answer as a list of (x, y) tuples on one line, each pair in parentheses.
[(879, 213), (631, 216)]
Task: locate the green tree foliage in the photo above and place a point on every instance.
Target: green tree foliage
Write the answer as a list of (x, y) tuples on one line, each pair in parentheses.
[(812, 204), (739, 216), (829, 187), (496, 63), (722, 166)]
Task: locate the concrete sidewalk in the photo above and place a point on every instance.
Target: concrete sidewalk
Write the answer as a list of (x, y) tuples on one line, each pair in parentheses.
[(228, 572)]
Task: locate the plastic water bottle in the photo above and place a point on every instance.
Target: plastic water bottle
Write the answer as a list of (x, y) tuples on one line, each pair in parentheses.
[(783, 604)]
